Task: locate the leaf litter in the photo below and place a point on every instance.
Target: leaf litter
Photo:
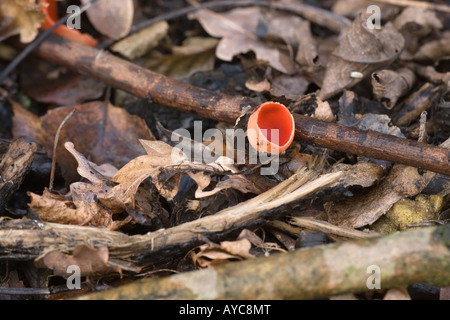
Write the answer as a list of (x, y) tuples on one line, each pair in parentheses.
[(117, 175)]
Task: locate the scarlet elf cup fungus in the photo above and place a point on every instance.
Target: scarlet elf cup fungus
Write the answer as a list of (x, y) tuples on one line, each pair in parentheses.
[(271, 128)]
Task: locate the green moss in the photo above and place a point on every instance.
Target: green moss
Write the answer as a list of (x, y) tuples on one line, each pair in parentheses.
[(407, 211)]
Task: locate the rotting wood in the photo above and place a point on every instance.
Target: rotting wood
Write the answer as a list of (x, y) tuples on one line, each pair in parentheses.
[(14, 166), (419, 256), (155, 87)]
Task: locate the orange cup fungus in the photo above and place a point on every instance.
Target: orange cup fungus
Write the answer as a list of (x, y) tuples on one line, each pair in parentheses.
[(51, 17), (271, 128)]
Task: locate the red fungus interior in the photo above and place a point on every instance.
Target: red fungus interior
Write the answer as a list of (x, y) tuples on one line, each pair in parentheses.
[(276, 116)]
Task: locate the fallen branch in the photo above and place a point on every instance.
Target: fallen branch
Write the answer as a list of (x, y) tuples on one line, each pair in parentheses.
[(420, 256), (26, 239), (149, 85)]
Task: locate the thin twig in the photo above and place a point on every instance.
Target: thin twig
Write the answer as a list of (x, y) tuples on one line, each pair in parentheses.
[(417, 4), (55, 145)]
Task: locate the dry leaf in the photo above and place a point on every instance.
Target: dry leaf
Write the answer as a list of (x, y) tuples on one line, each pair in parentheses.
[(258, 85), (90, 260), (292, 87), (212, 254), (323, 111), (411, 17), (389, 86), (52, 84), (113, 18), (56, 208), (239, 29), (195, 54), (307, 53), (100, 131), (27, 124), (360, 50), (140, 43), (22, 17), (433, 50)]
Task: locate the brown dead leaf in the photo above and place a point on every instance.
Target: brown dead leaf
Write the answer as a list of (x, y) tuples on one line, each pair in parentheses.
[(212, 254), (52, 84), (140, 43), (90, 260), (130, 176), (22, 17), (195, 54), (307, 53), (239, 33), (56, 208), (433, 50), (426, 19), (362, 51), (113, 18), (100, 131), (389, 85), (323, 111), (292, 87), (27, 124)]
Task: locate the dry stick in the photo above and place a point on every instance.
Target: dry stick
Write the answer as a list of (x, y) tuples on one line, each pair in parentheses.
[(420, 256), (55, 145), (417, 4), (146, 84)]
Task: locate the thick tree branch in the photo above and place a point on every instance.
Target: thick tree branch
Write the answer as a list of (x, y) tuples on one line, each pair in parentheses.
[(420, 256)]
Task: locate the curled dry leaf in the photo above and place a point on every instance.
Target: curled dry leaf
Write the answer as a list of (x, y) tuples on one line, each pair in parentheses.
[(323, 111), (90, 260), (140, 43), (113, 18), (389, 86), (104, 133), (212, 254), (22, 17), (361, 50), (417, 22), (239, 30)]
